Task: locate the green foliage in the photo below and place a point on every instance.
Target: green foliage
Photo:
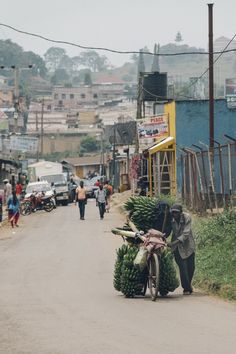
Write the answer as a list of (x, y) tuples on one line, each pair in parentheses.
[(216, 258), (92, 60), (88, 144), (87, 79), (60, 77), (53, 58), (58, 156)]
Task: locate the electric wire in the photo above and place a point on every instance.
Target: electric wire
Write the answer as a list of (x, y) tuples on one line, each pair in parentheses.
[(132, 52), (109, 49), (198, 78), (206, 71)]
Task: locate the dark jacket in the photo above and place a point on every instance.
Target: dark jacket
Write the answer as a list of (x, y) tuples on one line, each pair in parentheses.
[(183, 233)]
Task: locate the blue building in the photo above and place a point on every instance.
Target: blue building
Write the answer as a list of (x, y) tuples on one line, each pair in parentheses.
[(192, 126)]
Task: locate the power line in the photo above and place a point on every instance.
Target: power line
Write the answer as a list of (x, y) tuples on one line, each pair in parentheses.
[(109, 49), (194, 82)]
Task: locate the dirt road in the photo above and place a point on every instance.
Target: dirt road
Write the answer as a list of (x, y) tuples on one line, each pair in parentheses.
[(56, 296)]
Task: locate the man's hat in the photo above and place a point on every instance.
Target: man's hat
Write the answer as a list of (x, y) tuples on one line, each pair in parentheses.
[(177, 207), (5, 180)]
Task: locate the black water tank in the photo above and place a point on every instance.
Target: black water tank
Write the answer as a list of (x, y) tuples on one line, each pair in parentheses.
[(154, 86)]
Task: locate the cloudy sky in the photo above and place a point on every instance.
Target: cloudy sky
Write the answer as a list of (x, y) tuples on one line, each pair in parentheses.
[(116, 24)]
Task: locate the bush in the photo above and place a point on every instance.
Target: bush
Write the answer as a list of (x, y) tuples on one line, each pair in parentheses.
[(216, 257)]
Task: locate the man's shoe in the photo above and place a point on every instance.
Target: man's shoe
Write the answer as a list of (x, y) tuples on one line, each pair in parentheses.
[(187, 292)]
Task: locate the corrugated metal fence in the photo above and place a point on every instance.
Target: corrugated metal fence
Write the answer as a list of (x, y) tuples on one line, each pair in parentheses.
[(209, 177)]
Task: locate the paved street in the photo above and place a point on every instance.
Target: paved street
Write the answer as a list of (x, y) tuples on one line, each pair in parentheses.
[(57, 297)]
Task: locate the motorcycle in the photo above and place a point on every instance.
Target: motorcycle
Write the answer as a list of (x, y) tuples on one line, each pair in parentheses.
[(37, 201)]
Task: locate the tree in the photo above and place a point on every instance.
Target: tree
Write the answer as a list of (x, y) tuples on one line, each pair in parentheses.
[(39, 67), (80, 77), (53, 57), (66, 63), (76, 62), (87, 79), (94, 61), (88, 144), (60, 77), (141, 65), (156, 63), (10, 53)]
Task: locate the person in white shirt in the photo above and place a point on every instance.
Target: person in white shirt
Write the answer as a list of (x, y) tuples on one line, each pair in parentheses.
[(7, 189), (101, 200)]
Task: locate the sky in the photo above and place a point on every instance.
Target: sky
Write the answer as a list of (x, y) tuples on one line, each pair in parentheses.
[(116, 24)]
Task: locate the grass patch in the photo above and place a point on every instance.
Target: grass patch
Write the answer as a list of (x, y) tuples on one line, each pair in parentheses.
[(216, 256)]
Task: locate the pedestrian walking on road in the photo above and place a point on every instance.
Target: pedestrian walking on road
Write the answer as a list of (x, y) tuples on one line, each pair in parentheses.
[(101, 200), (19, 189), (7, 189), (13, 206), (183, 247), (109, 190), (81, 198)]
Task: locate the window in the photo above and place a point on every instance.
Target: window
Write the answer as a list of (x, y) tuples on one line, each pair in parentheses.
[(95, 95), (83, 95), (60, 103), (63, 96), (72, 96), (56, 96)]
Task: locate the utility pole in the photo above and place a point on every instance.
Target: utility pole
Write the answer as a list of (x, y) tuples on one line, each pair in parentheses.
[(114, 157), (36, 122), (211, 77), (42, 130), (16, 98)]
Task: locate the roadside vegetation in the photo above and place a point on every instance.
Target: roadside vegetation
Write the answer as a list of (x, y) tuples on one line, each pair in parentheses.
[(216, 256)]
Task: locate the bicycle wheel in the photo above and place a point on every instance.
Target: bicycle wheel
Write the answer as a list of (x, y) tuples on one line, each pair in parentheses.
[(153, 275), (143, 292), (49, 206), (25, 208)]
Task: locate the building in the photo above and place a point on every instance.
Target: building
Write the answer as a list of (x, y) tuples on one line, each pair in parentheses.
[(6, 95), (81, 166), (94, 95)]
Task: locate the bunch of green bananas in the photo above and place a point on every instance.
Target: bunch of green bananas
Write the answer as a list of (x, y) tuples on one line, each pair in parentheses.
[(118, 266), (168, 278)]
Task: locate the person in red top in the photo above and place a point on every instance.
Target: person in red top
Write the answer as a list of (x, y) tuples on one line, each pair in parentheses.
[(19, 189), (97, 184)]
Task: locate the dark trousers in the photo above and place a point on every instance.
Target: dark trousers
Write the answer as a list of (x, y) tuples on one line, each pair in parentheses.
[(81, 204), (186, 269), (102, 208)]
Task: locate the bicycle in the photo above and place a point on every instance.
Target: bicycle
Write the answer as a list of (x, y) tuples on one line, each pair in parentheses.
[(154, 242)]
